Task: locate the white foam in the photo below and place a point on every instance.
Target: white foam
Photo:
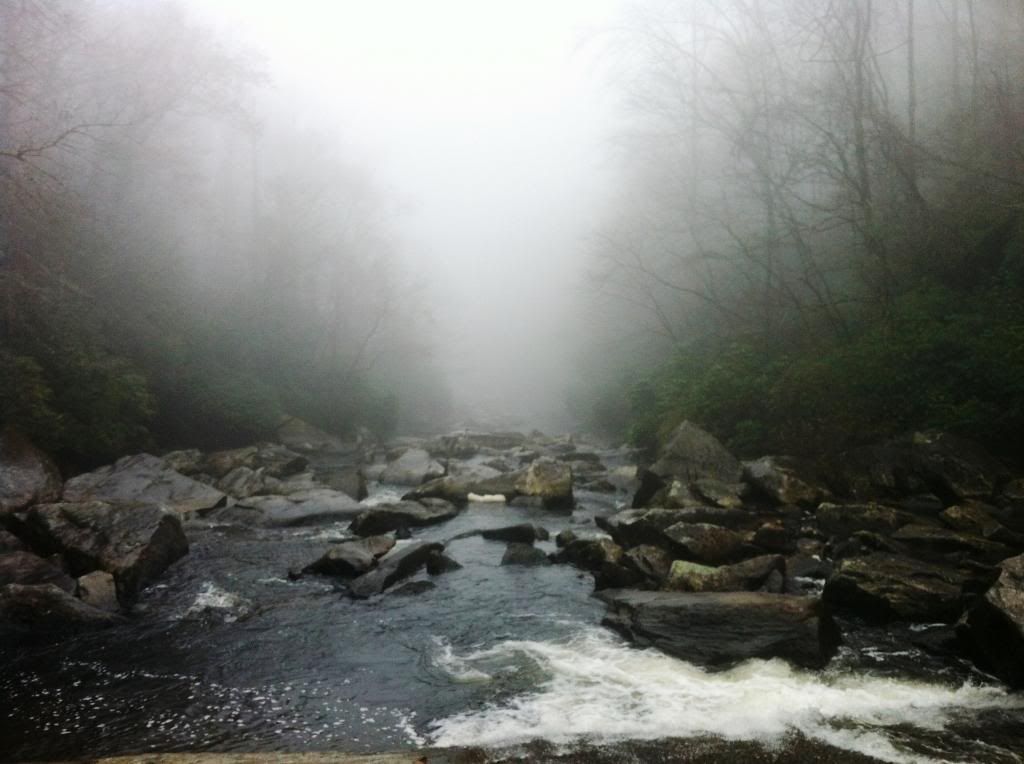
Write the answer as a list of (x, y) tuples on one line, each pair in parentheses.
[(486, 498), (211, 598), (599, 689)]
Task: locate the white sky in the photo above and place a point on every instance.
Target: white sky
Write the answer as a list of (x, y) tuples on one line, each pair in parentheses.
[(492, 120)]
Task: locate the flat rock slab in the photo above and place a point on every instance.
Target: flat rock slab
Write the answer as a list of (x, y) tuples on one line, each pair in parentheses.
[(133, 542), (27, 475), (143, 479), (385, 518), (310, 507), (398, 564), (722, 628), (887, 587)]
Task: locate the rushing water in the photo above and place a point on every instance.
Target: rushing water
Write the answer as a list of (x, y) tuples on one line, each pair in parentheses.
[(230, 655)]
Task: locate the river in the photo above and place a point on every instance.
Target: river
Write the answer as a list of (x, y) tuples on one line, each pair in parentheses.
[(228, 654)]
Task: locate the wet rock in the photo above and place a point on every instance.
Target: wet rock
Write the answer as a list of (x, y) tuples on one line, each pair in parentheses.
[(352, 558), (784, 480), (979, 519), (524, 554), (404, 514), (241, 483), (884, 587), (943, 541), (143, 479), (749, 575), (651, 562), (398, 564), (647, 526), (48, 608), (348, 480), (773, 537), (439, 563), (11, 543), (27, 475), (187, 461), (565, 537), (269, 459), (590, 553), (549, 480), (99, 590), (994, 626), (722, 628), (808, 566), (524, 533), (454, 446), (692, 454), (311, 507), (133, 542), (727, 495), (527, 502), (413, 467), (457, 488), (27, 568), (704, 543), (845, 519)]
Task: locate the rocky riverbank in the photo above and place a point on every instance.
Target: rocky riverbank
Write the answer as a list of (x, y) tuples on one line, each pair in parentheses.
[(715, 562)]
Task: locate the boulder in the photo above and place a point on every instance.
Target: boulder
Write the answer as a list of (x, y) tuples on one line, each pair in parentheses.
[(143, 479), (405, 514), (439, 563), (187, 461), (885, 587), (524, 554), (48, 608), (99, 590), (454, 446), (727, 495), (749, 575), (590, 553), (631, 527), (311, 507), (401, 562), (348, 480), (773, 537), (994, 626), (414, 467), (704, 543), (549, 480), (133, 542), (723, 628), (27, 568), (11, 543), (980, 519), (350, 559), (272, 460), (692, 454), (524, 533), (482, 481), (27, 475), (299, 435), (927, 539), (565, 537), (783, 480), (499, 441), (845, 519), (242, 482), (651, 562)]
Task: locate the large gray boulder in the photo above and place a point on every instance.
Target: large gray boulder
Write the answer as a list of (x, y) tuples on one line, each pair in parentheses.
[(300, 435), (270, 459), (631, 527), (704, 543), (27, 568), (402, 515), (47, 608), (352, 558), (549, 480), (309, 507), (27, 475), (133, 542), (784, 481), (692, 454), (749, 575), (888, 587), (398, 564), (143, 479), (414, 467), (994, 626), (722, 628)]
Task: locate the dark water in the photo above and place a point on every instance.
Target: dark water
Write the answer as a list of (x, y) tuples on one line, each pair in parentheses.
[(229, 655)]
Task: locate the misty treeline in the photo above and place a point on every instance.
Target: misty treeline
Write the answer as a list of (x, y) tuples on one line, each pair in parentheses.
[(819, 241), (185, 257)]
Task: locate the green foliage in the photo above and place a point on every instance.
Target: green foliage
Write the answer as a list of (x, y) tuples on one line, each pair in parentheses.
[(81, 402), (943, 360)]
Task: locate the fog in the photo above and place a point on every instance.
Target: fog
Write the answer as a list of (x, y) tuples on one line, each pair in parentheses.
[(490, 123)]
